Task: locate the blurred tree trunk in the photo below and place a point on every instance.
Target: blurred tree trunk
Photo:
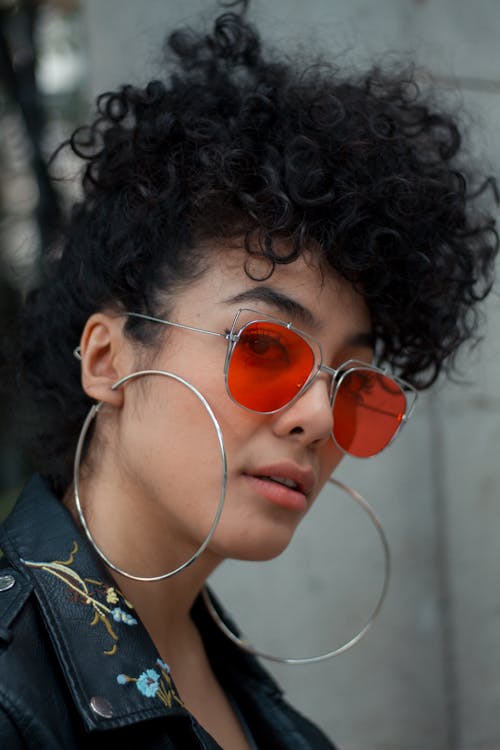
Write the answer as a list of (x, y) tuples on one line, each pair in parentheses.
[(20, 95)]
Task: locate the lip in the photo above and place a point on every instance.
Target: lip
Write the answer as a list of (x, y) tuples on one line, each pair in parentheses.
[(303, 478), (294, 499)]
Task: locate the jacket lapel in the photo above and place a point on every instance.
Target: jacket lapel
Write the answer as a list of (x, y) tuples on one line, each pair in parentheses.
[(110, 664)]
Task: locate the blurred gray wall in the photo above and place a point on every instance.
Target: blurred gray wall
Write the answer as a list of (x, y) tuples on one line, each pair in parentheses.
[(428, 674)]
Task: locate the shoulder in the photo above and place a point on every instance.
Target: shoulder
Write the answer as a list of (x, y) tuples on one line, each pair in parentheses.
[(15, 592), (9, 734), (30, 687), (273, 721), (300, 731)]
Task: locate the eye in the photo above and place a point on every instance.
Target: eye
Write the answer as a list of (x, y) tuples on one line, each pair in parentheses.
[(264, 344), (358, 384)]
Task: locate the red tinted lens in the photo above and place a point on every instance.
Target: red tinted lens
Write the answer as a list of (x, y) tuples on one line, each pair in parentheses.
[(268, 367), (367, 412)]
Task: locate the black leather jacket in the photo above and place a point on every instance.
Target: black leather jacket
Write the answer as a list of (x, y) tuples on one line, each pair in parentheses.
[(77, 668)]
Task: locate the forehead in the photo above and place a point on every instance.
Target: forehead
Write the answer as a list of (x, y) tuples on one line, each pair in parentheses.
[(302, 291)]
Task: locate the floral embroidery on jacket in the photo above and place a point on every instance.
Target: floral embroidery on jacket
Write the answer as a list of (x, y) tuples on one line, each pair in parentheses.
[(92, 593), (154, 684)]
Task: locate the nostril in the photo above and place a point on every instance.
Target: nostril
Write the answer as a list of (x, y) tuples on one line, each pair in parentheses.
[(297, 431)]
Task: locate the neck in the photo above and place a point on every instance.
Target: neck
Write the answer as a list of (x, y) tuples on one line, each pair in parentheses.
[(162, 606)]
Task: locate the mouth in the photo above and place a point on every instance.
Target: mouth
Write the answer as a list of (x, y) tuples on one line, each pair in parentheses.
[(285, 484), (282, 480)]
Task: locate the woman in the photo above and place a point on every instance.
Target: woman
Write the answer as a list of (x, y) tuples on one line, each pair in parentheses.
[(252, 235)]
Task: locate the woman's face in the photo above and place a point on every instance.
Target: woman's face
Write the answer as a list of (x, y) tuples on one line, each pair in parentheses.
[(167, 461)]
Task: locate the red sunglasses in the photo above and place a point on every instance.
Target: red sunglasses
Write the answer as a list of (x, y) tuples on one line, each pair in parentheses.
[(270, 363)]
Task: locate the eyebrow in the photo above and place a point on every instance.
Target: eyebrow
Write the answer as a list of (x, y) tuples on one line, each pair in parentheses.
[(282, 302), (290, 307)]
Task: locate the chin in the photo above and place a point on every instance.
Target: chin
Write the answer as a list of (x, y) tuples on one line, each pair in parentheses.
[(255, 546), (262, 555)]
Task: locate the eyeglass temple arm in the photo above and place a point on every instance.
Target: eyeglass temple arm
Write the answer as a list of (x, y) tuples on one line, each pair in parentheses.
[(176, 325), (78, 355)]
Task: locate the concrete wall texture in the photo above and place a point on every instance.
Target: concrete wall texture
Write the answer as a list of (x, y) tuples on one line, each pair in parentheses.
[(427, 676)]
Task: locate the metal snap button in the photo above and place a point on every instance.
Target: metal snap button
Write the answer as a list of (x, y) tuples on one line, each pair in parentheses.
[(7, 582), (101, 706)]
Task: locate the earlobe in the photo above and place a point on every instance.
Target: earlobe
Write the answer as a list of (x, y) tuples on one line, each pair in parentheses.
[(103, 351)]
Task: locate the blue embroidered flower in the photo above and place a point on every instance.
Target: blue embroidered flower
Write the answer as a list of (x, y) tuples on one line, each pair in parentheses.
[(154, 685), (119, 615), (163, 665), (148, 683)]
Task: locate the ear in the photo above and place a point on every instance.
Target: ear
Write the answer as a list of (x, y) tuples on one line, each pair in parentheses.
[(106, 357)]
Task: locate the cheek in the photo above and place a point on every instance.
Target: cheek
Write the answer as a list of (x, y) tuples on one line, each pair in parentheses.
[(330, 458), (206, 376), (183, 434), (191, 416)]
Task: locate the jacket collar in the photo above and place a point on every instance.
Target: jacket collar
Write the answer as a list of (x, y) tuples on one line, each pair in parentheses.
[(110, 664), (112, 668)]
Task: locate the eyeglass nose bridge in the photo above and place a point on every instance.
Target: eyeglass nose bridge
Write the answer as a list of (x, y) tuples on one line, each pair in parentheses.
[(334, 379)]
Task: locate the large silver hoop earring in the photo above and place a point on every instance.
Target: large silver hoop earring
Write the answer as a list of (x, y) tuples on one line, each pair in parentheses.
[(247, 646), (76, 471)]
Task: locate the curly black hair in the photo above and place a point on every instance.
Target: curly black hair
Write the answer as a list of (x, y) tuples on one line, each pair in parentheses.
[(238, 142)]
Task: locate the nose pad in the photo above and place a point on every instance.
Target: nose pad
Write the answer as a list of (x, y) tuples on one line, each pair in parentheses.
[(329, 372), (329, 384), (333, 387)]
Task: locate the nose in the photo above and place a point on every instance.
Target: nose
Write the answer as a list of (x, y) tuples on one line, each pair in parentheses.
[(310, 417)]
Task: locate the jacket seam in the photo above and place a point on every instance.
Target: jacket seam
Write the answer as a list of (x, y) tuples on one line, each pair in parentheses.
[(21, 718)]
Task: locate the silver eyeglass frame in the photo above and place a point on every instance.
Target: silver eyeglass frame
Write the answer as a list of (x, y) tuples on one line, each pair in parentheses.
[(337, 374)]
